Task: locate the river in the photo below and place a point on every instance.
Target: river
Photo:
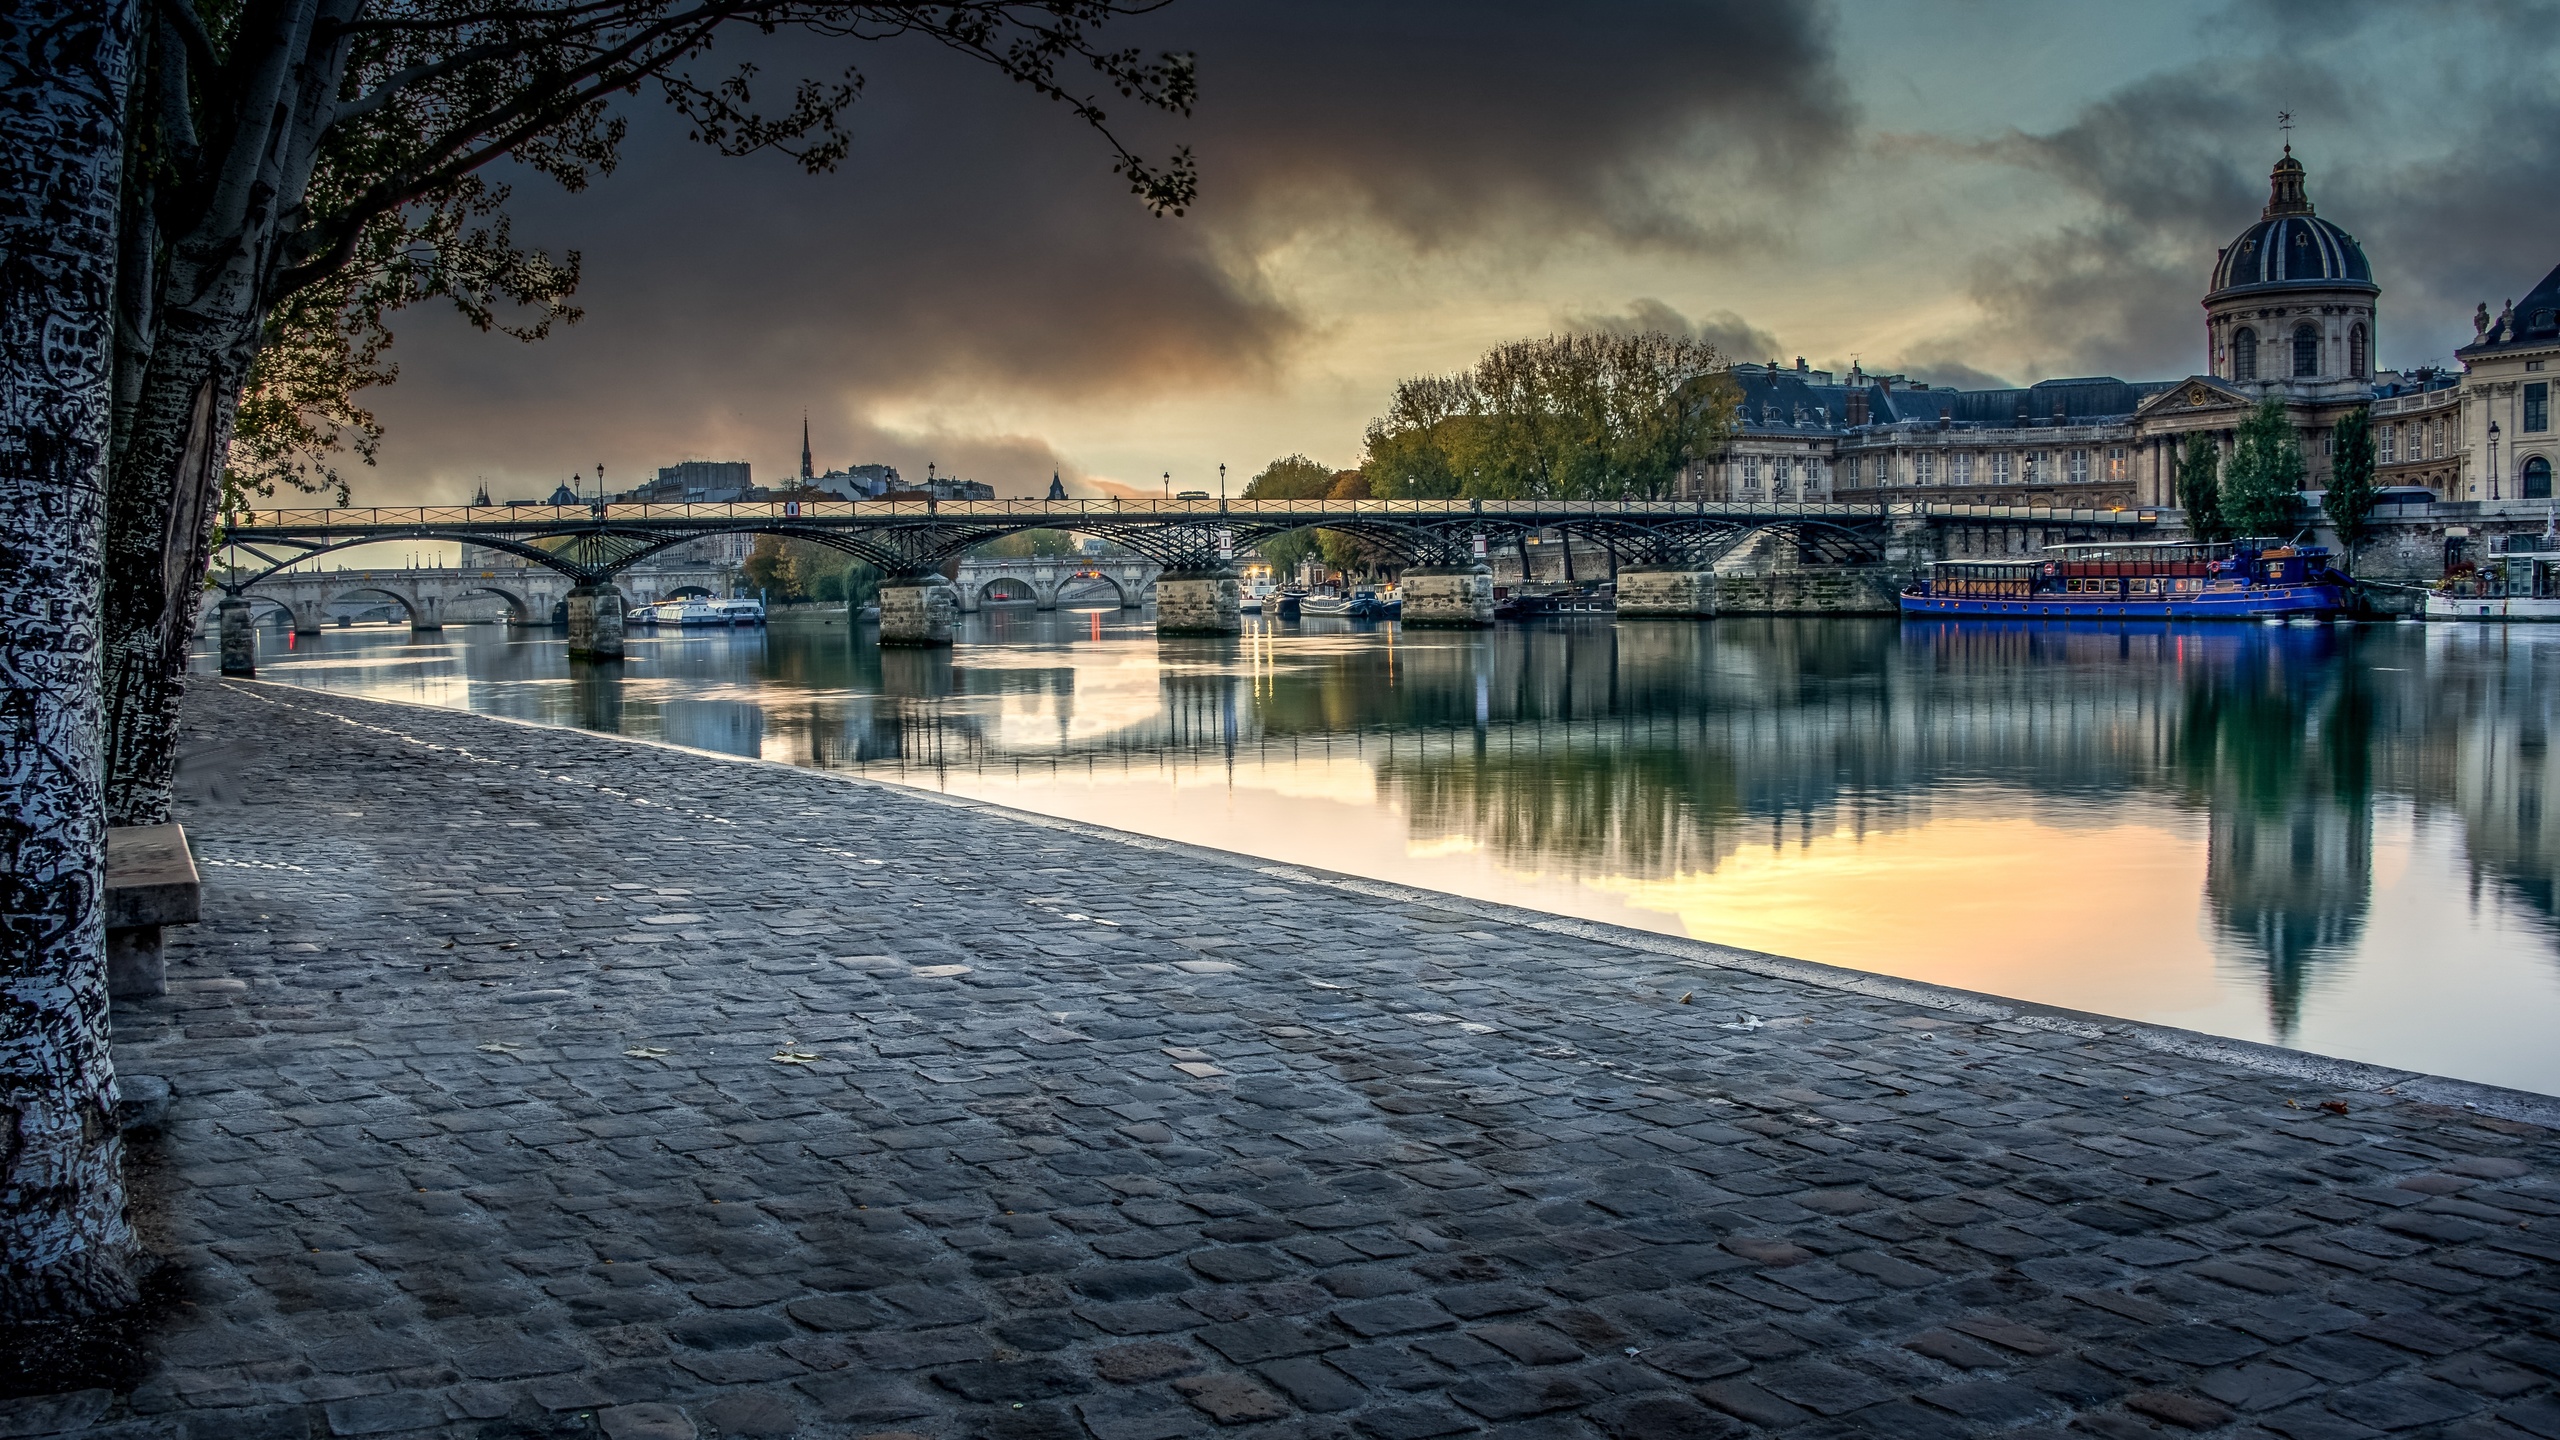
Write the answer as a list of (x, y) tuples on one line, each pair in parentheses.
[(2340, 838)]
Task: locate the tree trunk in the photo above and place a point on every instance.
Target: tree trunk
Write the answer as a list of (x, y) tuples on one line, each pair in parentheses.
[(65, 1244), (159, 527), (182, 356)]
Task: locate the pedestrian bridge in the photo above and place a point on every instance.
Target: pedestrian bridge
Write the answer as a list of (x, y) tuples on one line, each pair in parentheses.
[(595, 543)]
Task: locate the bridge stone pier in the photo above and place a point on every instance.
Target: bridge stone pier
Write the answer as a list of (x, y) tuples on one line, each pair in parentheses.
[(239, 636), (918, 610), (1450, 596), (595, 622), (1199, 602)]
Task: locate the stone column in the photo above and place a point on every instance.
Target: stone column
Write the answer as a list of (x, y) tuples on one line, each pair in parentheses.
[(595, 622), (1044, 589), (239, 637), (1666, 592), (1199, 602), (918, 610), (307, 617), (1456, 596), (426, 614)]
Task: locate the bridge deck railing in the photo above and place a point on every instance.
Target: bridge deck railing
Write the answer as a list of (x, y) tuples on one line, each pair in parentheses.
[(1067, 514)]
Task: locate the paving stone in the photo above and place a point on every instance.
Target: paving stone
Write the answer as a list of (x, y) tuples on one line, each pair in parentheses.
[(645, 1422), (1149, 1360), (2190, 1412), (2401, 1404), (1662, 1417), (1313, 1384), (1990, 1402), (754, 1415), (1230, 1399), (1505, 1398), (568, 1177), (383, 1414), (1820, 1386)]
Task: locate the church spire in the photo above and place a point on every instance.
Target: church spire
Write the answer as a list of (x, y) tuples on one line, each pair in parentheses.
[(1057, 488), (806, 472)]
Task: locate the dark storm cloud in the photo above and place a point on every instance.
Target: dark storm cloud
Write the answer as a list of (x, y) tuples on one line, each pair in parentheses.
[(2173, 167), (976, 245), (1446, 120)]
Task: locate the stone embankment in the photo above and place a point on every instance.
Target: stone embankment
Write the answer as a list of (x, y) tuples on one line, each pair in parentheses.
[(537, 1082)]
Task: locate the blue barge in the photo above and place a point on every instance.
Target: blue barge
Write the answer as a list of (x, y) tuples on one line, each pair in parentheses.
[(2158, 580)]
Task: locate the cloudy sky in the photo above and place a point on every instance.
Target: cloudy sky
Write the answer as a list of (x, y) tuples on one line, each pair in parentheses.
[(1998, 191)]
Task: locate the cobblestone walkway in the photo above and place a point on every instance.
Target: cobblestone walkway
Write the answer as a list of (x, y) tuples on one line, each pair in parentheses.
[(536, 1082)]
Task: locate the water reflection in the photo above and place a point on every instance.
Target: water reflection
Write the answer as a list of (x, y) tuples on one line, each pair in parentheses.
[(2330, 836)]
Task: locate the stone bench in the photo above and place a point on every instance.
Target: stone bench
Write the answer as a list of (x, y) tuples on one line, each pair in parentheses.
[(151, 882)]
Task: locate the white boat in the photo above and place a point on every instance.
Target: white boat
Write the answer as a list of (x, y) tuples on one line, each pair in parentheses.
[(2519, 585), (737, 612)]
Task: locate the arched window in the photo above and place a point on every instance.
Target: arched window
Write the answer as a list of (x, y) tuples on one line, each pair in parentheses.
[(2537, 479), (2244, 354), (2355, 352), (2306, 350)]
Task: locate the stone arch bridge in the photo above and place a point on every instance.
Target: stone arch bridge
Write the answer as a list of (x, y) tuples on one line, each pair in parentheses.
[(530, 594), (1665, 550), (1047, 582)]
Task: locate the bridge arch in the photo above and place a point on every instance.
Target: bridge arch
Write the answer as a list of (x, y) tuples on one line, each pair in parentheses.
[(519, 607), (422, 614), (1082, 580), (1008, 590)]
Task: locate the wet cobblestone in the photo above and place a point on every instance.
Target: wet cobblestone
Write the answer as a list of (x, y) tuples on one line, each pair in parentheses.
[(537, 1082)]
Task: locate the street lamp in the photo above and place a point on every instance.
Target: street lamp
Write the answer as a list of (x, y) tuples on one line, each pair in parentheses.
[(2493, 459), (1222, 482), (1168, 484)]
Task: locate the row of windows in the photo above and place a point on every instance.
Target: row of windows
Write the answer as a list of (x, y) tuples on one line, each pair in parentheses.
[(2306, 352), (2416, 440), (2034, 467), (1781, 470)]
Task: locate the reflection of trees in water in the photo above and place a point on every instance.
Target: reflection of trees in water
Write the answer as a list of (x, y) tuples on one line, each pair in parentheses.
[(1652, 750), (2278, 744), (2490, 756)]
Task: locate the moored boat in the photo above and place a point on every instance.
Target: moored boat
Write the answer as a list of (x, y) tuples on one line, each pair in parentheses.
[(2519, 585), (2155, 580), (1358, 606)]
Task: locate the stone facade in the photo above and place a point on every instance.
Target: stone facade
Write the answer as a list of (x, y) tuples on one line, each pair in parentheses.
[(2510, 448), (1673, 592)]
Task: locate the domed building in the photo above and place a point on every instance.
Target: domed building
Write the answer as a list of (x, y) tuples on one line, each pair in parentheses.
[(2292, 302), (2289, 314)]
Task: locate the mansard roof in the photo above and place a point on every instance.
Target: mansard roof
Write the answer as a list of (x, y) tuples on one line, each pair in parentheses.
[(2532, 323)]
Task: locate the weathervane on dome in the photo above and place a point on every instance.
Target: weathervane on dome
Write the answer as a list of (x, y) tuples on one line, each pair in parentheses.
[(2284, 122)]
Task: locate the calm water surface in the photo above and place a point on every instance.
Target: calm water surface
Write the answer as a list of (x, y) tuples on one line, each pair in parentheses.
[(2338, 838)]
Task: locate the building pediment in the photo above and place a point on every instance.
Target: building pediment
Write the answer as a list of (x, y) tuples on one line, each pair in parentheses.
[(2197, 394)]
